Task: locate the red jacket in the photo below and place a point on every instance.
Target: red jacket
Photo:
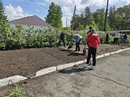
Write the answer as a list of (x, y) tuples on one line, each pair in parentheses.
[(93, 40)]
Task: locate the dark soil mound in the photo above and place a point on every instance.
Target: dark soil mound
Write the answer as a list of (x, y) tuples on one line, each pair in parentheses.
[(26, 62)]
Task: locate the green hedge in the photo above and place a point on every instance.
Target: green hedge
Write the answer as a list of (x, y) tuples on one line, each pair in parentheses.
[(19, 38)]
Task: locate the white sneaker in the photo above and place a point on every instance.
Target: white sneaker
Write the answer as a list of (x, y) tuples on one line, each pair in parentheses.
[(85, 66), (91, 67)]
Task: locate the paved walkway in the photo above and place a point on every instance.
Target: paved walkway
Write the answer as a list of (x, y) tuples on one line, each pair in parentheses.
[(111, 78)]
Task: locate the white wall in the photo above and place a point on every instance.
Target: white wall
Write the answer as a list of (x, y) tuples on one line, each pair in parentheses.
[(26, 26)]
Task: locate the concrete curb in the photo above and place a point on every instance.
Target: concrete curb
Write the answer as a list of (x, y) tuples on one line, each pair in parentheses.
[(107, 54), (11, 80), (17, 78), (45, 71), (100, 56)]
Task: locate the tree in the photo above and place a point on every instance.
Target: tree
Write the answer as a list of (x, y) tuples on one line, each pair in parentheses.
[(111, 17), (4, 26), (120, 18), (2, 14), (88, 17), (54, 16), (83, 21), (58, 21), (75, 22), (99, 17), (124, 15)]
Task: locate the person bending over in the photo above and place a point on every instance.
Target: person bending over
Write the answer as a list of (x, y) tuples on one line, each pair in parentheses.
[(77, 39)]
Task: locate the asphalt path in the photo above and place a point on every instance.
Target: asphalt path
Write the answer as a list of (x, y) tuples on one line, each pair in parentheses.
[(111, 78)]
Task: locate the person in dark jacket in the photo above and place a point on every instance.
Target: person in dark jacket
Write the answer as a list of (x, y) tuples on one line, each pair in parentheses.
[(93, 42), (124, 39), (107, 38), (62, 38)]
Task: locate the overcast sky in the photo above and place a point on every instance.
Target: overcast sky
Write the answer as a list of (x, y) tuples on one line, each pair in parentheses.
[(16, 9)]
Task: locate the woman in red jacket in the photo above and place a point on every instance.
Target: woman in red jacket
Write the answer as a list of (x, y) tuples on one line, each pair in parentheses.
[(93, 42)]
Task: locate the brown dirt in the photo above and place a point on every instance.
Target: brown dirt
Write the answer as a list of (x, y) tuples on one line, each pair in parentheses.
[(26, 62)]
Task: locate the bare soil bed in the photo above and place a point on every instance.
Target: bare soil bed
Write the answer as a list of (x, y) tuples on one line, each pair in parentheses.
[(26, 62)]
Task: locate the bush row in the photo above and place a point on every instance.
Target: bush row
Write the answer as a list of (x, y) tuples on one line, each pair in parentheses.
[(19, 38)]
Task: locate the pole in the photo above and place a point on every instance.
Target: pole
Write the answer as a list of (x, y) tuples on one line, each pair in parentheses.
[(73, 18), (106, 16)]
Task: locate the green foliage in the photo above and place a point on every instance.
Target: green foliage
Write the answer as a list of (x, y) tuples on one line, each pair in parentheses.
[(94, 25), (54, 16), (116, 20), (111, 39), (30, 38), (17, 92), (108, 28), (119, 19), (128, 40), (15, 39), (69, 39), (80, 27), (3, 18), (19, 38), (103, 38), (4, 32)]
